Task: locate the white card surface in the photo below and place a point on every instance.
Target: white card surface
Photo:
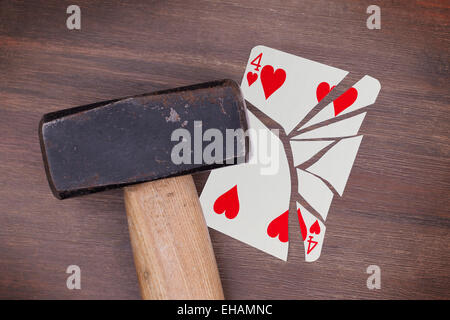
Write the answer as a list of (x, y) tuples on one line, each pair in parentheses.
[(344, 128), (283, 86), (304, 150), (262, 197), (336, 164), (367, 91), (315, 192), (313, 233)]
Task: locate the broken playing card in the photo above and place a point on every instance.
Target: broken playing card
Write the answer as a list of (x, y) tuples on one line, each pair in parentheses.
[(251, 205), (283, 86), (312, 232), (239, 200)]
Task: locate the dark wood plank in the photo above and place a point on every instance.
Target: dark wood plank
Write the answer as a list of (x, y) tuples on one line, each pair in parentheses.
[(395, 209)]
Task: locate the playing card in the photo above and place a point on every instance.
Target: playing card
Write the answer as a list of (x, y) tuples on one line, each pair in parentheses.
[(344, 128), (362, 94), (250, 201), (335, 165), (283, 86), (312, 231), (315, 192)]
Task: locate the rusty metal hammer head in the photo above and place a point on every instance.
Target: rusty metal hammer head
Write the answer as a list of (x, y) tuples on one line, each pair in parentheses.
[(127, 141)]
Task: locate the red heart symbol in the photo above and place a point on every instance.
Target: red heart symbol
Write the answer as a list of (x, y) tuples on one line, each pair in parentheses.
[(344, 101), (272, 80), (279, 227), (315, 228), (228, 203), (322, 90), (251, 77)]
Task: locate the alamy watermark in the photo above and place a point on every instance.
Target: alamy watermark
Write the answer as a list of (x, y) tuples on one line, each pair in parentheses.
[(228, 149), (74, 280), (73, 22), (374, 280)]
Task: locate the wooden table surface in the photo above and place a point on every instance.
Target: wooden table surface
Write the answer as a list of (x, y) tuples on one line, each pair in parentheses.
[(394, 212)]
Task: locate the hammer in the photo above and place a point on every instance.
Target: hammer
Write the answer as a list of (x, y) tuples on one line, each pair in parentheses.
[(132, 143)]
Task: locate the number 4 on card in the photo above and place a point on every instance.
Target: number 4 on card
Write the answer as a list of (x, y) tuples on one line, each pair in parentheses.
[(257, 62)]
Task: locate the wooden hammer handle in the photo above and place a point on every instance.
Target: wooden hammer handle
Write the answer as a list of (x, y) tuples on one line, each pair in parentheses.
[(171, 245)]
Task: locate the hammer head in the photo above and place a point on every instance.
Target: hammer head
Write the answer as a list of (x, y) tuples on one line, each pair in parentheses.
[(120, 142)]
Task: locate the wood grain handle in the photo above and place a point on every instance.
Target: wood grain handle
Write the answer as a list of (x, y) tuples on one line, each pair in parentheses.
[(171, 245)]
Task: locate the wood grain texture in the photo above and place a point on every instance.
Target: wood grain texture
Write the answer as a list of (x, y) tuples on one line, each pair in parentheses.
[(171, 245), (394, 212)]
